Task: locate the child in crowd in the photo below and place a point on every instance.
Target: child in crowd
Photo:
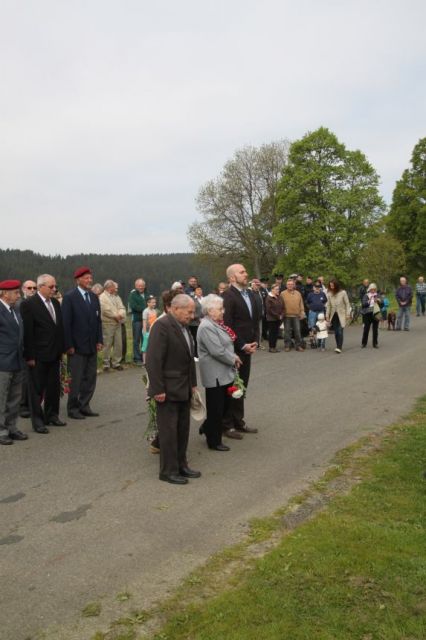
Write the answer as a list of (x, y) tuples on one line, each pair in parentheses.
[(322, 333), (149, 316), (384, 309)]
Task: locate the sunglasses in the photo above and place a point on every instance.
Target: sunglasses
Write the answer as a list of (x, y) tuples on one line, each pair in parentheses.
[(33, 288)]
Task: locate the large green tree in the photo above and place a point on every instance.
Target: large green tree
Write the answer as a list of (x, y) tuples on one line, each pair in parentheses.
[(239, 209), (328, 204), (407, 216), (382, 260)]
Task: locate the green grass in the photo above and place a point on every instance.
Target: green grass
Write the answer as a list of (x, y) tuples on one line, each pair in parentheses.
[(356, 571)]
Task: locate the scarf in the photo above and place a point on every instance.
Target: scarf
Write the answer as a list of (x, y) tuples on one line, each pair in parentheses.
[(228, 330)]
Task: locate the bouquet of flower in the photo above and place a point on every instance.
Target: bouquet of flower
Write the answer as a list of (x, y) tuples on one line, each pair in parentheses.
[(65, 378), (237, 389), (151, 431)]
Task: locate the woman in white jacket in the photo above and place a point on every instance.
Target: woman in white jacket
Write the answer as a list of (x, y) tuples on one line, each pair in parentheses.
[(218, 361), (338, 311)]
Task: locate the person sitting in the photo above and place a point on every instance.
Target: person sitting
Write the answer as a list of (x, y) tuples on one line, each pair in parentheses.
[(218, 361)]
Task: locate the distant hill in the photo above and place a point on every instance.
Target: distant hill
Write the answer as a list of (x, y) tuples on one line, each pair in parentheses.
[(158, 270)]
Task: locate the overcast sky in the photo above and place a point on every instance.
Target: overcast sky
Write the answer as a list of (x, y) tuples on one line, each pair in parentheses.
[(114, 113)]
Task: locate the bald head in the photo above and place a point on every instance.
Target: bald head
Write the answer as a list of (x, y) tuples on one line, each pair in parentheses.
[(237, 275), (182, 308)]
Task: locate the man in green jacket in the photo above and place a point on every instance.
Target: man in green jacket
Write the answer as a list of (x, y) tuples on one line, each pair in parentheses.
[(137, 304)]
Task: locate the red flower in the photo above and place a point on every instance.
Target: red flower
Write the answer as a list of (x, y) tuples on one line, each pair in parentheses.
[(230, 390)]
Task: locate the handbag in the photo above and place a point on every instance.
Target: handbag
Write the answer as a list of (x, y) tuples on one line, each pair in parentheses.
[(197, 408)]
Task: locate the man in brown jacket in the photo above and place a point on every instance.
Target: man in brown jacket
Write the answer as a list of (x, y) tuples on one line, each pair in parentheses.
[(294, 311), (172, 380)]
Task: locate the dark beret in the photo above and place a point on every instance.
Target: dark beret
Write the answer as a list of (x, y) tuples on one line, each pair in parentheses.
[(10, 285), (81, 271)]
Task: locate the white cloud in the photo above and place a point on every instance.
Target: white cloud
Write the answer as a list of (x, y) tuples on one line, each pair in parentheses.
[(112, 115)]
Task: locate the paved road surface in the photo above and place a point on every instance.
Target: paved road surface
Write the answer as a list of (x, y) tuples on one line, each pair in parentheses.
[(84, 517)]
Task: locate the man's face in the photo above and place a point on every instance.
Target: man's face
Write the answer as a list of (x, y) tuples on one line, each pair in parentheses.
[(140, 286), (403, 281), (193, 282), (255, 286), (308, 280), (184, 315), (10, 297), (421, 279), (290, 284), (29, 288), (86, 281), (48, 288), (221, 287), (366, 282), (112, 289), (240, 275)]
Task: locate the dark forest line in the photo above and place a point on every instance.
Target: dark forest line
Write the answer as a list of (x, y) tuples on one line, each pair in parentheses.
[(158, 270)]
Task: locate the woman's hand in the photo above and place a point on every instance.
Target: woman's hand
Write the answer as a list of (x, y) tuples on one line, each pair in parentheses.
[(238, 362)]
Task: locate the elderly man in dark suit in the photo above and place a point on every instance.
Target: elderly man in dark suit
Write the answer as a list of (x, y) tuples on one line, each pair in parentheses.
[(172, 380), (11, 362), (43, 349), (242, 315), (81, 314)]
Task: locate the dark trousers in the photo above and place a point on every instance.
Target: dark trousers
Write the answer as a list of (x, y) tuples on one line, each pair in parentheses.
[(338, 331), (137, 340), (273, 328), (83, 371), (234, 412), (173, 434), (44, 387), (370, 320), (217, 401), (193, 330), (25, 400), (265, 328)]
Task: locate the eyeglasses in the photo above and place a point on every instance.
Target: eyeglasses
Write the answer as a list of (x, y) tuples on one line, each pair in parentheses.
[(50, 286), (33, 288)]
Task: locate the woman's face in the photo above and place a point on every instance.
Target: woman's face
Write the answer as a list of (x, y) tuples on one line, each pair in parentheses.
[(275, 290), (216, 313), (331, 286)]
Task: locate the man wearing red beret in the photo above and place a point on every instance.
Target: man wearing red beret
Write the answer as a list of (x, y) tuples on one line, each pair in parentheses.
[(81, 315), (11, 362)]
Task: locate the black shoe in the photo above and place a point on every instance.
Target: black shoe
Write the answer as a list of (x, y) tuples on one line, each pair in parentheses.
[(24, 413), (6, 440), (18, 435), (375, 346), (56, 422), (219, 447), (89, 413), (41, 429), (76, 415), (363, 346), (186, 472), (246, 429), (173, 479)]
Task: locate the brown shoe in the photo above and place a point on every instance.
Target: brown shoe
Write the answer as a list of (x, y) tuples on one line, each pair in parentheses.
[(233, 433), (287, 349), (246, 429), (299, 349)]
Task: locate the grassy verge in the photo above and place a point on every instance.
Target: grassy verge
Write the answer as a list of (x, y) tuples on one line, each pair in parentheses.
[(355, 571), (346, 560)]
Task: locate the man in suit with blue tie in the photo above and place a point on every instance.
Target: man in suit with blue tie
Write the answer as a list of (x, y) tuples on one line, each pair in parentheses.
[(242, 315), (11, 362), (81, 315)]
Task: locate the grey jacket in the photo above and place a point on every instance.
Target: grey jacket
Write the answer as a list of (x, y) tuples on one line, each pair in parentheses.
[(216, 354)]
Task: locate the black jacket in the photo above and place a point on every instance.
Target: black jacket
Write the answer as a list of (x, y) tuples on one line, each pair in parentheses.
[(43, 338), (237, 316)]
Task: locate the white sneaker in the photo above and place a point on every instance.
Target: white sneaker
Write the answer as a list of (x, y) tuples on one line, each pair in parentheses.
[(196, 359), (338, 350)]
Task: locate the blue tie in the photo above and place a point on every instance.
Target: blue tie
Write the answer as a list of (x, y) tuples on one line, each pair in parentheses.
[(86, 297), (247, 300)]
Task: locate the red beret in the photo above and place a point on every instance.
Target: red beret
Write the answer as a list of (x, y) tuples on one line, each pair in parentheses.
[(9, 285), (81, 271)]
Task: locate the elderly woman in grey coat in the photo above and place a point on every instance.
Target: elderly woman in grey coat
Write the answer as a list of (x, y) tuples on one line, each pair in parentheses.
[(218, 361)]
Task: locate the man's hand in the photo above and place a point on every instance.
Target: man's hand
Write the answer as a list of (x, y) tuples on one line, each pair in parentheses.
[(160, 397), (31, 363), (71, 351), (250, 347), (99, 346)]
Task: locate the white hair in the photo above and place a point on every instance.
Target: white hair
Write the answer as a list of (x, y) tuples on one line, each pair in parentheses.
[(42, 279), (181, 300), (212, 301)]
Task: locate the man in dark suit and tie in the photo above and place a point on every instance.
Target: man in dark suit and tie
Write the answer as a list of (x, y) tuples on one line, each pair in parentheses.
[(241, 314), (43, 349), (81, 315), (172, 380), (11, 362)]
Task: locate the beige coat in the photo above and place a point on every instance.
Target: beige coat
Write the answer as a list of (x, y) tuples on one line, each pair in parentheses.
[(111, 305), (338, 303)]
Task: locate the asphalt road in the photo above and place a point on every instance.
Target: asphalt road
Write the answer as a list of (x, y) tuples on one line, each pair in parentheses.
[(84, 516)]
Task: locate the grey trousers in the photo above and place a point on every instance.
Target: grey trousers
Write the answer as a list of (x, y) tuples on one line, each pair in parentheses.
[(10, 398), (83, 372)]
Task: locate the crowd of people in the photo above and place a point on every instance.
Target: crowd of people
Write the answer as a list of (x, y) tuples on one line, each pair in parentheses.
[(220, 331)]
